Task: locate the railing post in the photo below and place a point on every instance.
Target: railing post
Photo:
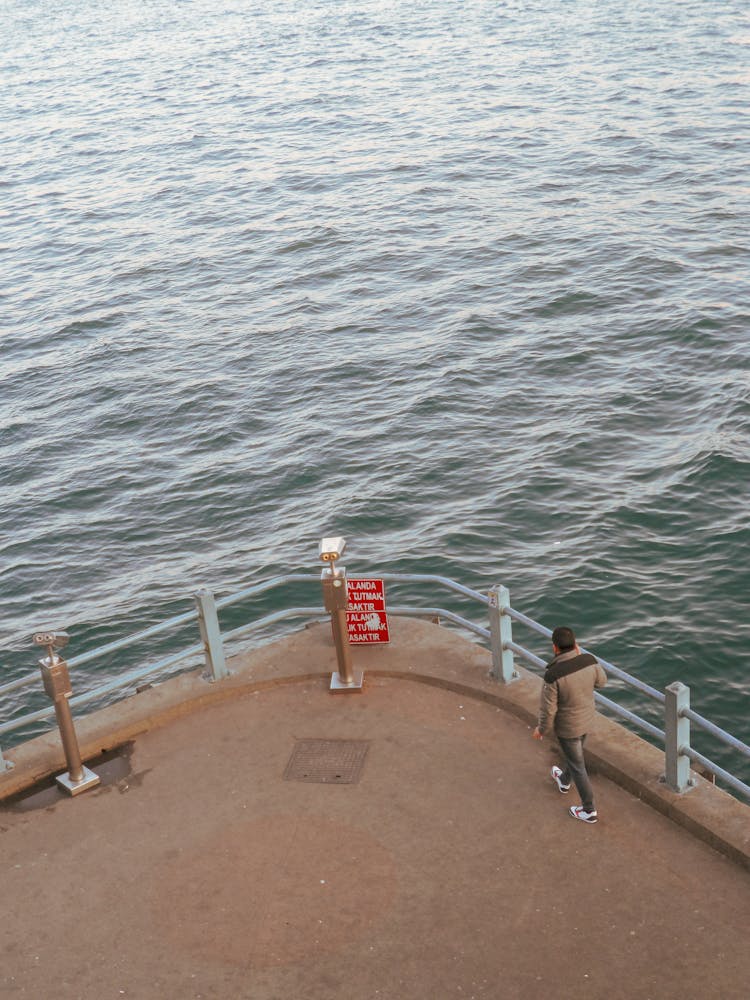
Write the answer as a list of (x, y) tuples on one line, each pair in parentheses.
[(676, 737), (208, 620), (503, 669)]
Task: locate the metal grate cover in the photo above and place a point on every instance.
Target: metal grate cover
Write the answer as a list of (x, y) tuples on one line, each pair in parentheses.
[(328, 762)]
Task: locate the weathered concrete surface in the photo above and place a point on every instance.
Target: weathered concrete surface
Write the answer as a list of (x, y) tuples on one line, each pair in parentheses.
[(419, 651), (450, 870)]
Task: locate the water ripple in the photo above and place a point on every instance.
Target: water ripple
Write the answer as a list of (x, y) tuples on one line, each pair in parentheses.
[(471, 290)]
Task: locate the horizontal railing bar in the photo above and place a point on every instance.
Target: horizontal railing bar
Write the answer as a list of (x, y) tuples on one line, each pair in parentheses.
[(117, 682), (444, 581), (276, 616), (20, 682), (600, 698), (714, 730), (156, 629), (629, 679), (526, 654), (386, 577), (519, 616), (76, 661), (609, 667), (625, 713), (261, 588), (26, 720), (735, 783), (442, 613), (314, 612), (136, 675)]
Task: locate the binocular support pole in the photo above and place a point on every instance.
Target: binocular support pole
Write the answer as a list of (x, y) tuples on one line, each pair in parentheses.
[(57, 685), (335, 601)]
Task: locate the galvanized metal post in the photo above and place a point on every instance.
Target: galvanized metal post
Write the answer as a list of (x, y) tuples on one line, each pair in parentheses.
[(503, 669), (208, 620), (677, 737)]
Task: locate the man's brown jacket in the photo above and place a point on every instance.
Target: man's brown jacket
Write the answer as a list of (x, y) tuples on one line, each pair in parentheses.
[(567, 702)]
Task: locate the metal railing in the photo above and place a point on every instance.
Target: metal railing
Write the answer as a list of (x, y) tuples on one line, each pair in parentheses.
[(497, 633)]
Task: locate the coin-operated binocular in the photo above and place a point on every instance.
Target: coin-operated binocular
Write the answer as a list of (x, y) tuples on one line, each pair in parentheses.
[(335, 601), (56, 680)]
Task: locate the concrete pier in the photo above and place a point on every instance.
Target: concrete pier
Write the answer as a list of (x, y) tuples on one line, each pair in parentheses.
[(438, 861)]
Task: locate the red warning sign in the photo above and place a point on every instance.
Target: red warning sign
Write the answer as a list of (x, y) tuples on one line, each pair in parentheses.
[(366, 619)]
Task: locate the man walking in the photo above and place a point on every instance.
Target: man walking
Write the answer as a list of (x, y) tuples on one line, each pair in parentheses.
[(567, 705)]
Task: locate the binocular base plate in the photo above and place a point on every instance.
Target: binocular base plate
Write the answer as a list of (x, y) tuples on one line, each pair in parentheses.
[(337, 684), (89, 780)]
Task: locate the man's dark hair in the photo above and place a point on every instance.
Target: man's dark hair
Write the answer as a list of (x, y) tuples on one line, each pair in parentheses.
[(564, 638)]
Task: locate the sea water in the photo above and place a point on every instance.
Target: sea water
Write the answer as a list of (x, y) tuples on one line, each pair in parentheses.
[(466, 283)]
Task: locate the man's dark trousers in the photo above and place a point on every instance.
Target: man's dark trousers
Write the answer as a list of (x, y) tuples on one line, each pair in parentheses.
[(575, 768)]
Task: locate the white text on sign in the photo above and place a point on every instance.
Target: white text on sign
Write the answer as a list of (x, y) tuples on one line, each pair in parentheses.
[(366, 618)]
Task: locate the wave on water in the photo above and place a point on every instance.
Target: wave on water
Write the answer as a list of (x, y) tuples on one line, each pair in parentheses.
[(470, 291)]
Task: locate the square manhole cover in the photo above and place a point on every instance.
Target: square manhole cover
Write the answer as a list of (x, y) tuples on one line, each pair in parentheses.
[(329, 762)]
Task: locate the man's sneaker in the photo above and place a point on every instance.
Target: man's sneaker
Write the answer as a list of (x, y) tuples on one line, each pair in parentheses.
[(578, 812), (556, 773)]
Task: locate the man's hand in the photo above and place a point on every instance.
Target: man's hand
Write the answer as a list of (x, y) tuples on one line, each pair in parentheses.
[(538, 734)]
